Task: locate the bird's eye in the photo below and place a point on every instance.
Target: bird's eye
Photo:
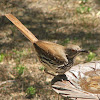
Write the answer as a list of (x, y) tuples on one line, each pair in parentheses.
[(73, 50)]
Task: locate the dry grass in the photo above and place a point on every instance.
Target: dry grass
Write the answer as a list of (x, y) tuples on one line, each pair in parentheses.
[(52, 20)]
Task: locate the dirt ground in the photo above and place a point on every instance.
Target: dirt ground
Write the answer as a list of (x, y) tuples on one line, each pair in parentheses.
[(59, 21)]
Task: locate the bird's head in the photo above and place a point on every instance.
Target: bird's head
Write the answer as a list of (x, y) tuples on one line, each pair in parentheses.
[(74, 50)]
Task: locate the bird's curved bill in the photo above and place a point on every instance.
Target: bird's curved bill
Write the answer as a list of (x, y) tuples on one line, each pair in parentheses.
[(85, 51)]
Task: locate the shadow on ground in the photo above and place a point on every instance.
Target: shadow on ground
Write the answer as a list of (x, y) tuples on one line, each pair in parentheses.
[(44, 26)]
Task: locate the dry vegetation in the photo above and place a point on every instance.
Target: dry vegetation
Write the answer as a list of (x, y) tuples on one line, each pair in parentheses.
[(60, 21)]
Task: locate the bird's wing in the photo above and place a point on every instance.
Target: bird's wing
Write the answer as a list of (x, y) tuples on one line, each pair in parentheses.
[(54, 51)]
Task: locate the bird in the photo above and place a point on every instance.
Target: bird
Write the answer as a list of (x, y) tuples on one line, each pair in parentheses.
[(53, 56)]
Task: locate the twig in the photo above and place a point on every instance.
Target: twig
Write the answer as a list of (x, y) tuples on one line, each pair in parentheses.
[(8, 81)]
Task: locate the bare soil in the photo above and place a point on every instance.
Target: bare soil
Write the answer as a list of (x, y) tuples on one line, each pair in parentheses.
[(52, 20)]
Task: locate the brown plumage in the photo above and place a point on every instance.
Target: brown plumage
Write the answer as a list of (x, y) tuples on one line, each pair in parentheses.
[(53, 56), (56, 57)]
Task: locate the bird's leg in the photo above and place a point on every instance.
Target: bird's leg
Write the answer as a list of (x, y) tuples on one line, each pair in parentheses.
[(49, 72)]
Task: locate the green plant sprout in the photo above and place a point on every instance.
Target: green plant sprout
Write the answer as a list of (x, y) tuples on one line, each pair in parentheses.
[(20, 69), (31, 91), (91, 56), (1, 57), (41, 68), (83, 9)]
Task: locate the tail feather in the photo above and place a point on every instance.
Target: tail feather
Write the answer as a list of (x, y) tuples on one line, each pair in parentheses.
[(22, 28)]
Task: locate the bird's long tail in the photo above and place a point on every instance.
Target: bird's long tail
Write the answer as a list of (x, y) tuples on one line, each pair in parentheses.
[(22, 28)]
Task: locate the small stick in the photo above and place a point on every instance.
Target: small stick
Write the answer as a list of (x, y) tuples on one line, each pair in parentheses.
[(22, 28), (8, 81)]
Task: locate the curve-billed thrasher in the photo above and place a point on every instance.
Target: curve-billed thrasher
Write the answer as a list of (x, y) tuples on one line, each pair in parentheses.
[(56, 57)]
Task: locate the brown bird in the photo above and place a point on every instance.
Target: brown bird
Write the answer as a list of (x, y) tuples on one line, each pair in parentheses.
[(53, 56), (56, 57)]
